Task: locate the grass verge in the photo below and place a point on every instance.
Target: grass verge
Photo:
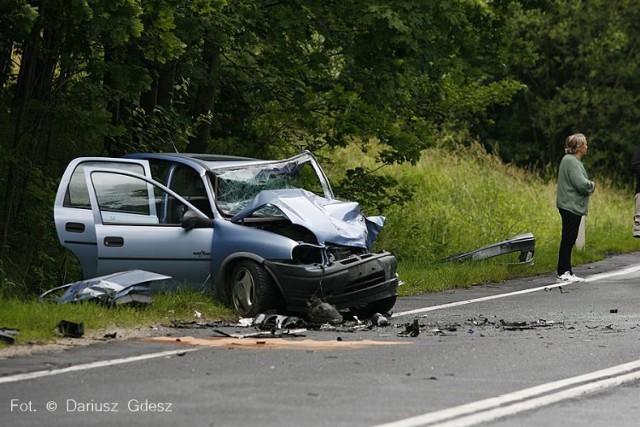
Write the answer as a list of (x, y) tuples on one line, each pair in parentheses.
[(38, 322)]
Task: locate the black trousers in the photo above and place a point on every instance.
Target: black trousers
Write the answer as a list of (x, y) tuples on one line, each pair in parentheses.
[(570, 226)]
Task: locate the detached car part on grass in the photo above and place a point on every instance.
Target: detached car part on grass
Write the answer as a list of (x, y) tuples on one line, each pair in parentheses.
[(128, 287), (261, 234), (524, 243)]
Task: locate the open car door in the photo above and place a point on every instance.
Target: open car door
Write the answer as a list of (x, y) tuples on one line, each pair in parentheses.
[(137, 225)]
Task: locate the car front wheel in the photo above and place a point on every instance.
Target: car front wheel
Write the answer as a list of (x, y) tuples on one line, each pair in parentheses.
[(252, 289)]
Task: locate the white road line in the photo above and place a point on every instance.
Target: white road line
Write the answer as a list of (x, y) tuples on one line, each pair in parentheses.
[(595, 277), (523, 400), (539, 402), (92, 365)]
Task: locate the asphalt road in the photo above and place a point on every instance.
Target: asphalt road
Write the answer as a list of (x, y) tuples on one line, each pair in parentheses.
[(526, 352)]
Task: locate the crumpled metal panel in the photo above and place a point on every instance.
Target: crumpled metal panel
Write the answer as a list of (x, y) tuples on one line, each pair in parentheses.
[(116, 288), (331, 221)]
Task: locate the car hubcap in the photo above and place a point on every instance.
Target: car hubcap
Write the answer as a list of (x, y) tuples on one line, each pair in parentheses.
[(243, 291)]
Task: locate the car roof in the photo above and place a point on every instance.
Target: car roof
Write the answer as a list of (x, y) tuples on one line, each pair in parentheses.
[(199, 161), (207, 161)]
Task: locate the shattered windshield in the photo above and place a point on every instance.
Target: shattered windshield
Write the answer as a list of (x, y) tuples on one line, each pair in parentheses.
[(236, 188)]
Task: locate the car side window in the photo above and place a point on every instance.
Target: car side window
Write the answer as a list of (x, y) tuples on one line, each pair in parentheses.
[(188, 184), (127, 200), (77, 195)]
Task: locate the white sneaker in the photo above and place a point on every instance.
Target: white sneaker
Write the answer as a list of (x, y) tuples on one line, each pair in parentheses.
[(569, 277)]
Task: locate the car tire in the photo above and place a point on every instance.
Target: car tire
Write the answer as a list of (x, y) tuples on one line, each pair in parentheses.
[(252, 289), (382, 306)]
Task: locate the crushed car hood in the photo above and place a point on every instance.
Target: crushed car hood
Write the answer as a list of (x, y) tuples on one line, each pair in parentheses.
[(331, 221)]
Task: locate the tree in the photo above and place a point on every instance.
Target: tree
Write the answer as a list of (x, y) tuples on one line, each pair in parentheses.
[(582, 76), (306, 74), (259, 78)]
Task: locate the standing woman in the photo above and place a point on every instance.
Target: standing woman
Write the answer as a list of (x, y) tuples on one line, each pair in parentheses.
[(635, 165), (572, 200)]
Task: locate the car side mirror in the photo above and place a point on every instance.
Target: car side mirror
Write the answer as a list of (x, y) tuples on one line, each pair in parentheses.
[(191, 220)]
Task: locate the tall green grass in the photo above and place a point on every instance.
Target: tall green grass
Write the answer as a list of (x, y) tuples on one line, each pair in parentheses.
[(466, 199)]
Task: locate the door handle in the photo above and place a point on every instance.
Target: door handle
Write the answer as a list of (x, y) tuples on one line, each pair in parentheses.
[(113, 242), (74, 227)]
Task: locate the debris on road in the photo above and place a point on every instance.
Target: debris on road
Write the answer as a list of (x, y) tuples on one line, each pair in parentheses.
[(379, 320), (267, 334), (411, 329), (515, 326), (322, 312), (277, 321), (277, 325), (194, 324), (512, 325)]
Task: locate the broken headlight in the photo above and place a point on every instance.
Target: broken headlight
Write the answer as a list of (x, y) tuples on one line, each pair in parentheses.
[(306, 253)]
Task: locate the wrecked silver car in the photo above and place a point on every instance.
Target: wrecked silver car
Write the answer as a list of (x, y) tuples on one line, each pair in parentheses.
[(261, 234)]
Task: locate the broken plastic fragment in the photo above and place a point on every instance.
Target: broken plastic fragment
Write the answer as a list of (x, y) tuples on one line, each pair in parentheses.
[(524, 243), (71, 329), (270, 334), (8, 335), (379, 320), (277, 321), (323, 312), (411, 329)]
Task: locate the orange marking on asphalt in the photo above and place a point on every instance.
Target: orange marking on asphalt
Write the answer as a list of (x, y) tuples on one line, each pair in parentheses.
[(307, 344)]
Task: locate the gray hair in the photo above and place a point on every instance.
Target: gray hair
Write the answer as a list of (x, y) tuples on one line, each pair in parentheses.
[(574, 142)]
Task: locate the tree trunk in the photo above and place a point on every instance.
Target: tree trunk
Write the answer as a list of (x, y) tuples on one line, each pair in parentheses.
[(5, 61), (23, 92), (35, 81), (206, 97), (160, 94), (114, 105), (166, 81)]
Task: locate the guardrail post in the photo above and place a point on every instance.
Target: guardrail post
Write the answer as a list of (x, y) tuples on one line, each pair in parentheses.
[(581, 240)]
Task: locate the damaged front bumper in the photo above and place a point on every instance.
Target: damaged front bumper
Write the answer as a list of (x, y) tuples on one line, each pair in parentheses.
[(524, 243), (352, 282)]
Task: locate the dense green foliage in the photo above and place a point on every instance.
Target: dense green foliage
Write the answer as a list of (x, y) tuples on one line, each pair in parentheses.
[(269, 78), (582, 76)]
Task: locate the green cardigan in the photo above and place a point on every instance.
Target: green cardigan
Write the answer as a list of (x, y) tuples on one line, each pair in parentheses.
[(574, 186)]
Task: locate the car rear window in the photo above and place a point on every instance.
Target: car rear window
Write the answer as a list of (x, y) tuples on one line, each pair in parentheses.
[(77, 195)]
